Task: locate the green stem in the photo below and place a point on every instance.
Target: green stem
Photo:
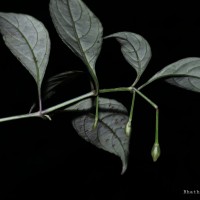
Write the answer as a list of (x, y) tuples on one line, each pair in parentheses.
[(66, 103), (157, 112), (93, 76), (157, 126), (29, 115), (128, 128), (40, 100), (136, 80), (146, 98), (132, 107), (144, 85), (96, 112), (120, 89), (48, 110)]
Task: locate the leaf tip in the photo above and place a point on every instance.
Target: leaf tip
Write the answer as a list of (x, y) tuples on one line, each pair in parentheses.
[(124, 168)]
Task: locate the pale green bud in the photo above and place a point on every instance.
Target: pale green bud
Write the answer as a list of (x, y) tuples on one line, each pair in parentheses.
[(128, 128), (155, 152)]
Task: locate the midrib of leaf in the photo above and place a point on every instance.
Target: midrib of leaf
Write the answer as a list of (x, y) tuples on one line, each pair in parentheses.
[(34, 58), (138, 59), (93, 116), (139, 64), (80, 46)]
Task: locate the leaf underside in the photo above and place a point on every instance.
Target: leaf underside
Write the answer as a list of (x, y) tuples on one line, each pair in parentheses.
[(79, 29), (135, 49), (57, 80), (184, 73), (28, 40), (110, 132), (188, 83)]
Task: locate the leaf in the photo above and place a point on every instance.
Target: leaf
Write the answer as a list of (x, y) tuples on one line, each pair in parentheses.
[(188, 83), (135, 49), (79, 29), (59, 79), (184, 73), (110, 133), (28, 40)]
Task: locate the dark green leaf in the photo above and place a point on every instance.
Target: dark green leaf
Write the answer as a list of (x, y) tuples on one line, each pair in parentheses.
[(135, 49), (184, 73), (79, 29), (28, 40), (110, 132)]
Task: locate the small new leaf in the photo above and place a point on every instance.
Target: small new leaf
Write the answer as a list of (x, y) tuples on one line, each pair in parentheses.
[(135, 49), (184, 73), (28, 40), (79, 29), (109, 134)]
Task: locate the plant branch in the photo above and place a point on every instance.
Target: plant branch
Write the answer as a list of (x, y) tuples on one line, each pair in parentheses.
[(132, 107), (29, 115), (144, 85), (40, 100), (156, 129), (66, 103), (136, 80), (157, 119), (96, 112), (120, 89), (48, 110), (146, 98), (71, 101), (128, 128)]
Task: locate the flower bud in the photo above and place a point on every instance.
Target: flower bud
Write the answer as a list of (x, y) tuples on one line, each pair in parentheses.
[(128, 128), (155, 152)]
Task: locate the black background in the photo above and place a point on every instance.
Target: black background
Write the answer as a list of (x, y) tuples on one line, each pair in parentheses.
[(48, 159)]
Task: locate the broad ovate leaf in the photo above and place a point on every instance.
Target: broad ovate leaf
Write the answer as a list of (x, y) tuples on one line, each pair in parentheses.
[(28, 40), (184, 73), (79, 29), (109, 134), (135, 49)]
